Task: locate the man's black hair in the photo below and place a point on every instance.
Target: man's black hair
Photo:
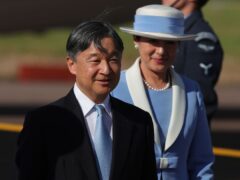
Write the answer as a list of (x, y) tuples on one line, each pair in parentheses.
[(91, 31)]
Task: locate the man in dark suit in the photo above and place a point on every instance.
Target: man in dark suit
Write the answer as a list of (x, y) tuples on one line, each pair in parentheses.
[(60, 141), (201, 59)]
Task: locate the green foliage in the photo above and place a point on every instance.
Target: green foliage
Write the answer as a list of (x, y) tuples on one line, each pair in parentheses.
[(47, 43), (224, 17)]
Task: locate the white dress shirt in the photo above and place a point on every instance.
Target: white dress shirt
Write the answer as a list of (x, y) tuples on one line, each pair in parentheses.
[(90, 114)]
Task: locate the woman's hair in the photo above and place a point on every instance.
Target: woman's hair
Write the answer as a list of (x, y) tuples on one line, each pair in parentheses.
[(91, 31)]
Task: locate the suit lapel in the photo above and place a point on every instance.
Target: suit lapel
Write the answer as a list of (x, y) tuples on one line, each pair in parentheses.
[(84, 154), (122, 136)]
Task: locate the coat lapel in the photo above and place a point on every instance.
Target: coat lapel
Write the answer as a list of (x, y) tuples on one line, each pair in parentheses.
[(138, 94), (178, 110), (122, 136), (84, 154)]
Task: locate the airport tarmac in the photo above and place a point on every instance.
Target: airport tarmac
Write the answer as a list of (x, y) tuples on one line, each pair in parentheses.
[(16, 98)]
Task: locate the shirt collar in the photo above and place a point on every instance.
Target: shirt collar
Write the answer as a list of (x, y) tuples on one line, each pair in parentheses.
[(186, 17), (87, 104)]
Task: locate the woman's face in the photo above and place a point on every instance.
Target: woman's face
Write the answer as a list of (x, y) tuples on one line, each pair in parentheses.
[(156, 55)]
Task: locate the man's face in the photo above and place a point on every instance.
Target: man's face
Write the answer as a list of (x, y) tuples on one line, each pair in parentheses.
[(178, 4), (97, 73)]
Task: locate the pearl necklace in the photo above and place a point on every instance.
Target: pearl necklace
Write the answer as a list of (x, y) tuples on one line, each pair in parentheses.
[(156, 89)]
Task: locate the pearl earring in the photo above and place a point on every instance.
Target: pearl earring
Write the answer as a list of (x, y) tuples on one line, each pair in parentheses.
[(136, 46)]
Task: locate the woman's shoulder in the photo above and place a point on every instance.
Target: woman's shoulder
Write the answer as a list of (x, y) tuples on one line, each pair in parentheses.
[(192, 88), (123, 75), (121, 90), (190, 84)]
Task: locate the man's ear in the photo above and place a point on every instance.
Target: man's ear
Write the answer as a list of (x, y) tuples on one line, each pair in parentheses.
[(71, 65)]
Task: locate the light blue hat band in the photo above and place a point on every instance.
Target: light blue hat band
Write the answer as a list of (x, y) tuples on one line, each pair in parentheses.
[(157, 24)]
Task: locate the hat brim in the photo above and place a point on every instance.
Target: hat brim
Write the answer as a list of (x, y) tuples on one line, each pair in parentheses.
[(160, 36)]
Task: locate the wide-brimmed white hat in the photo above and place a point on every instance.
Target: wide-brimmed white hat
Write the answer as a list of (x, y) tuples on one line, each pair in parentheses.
[(159, 22)]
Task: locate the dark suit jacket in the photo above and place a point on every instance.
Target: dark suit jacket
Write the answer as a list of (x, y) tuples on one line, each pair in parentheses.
[(54, 144)]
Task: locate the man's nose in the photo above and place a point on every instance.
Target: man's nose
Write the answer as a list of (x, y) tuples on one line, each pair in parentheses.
[(105, 67)]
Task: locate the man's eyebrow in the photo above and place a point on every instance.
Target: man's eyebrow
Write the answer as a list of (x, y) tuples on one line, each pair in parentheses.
[(116, 53), (111, 54), (92, 55)]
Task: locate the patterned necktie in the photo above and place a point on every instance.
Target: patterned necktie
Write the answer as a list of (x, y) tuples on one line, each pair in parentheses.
[(103, 142)]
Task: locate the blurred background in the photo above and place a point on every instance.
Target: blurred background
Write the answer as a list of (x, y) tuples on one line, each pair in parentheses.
[(33, 35)]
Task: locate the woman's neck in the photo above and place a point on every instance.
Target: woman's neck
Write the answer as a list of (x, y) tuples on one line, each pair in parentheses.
[(156, 80)]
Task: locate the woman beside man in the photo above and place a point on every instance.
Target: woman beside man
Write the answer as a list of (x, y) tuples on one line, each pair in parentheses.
[(183, 146)]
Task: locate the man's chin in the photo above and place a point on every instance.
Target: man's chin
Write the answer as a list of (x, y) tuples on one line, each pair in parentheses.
[(104, 91)]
